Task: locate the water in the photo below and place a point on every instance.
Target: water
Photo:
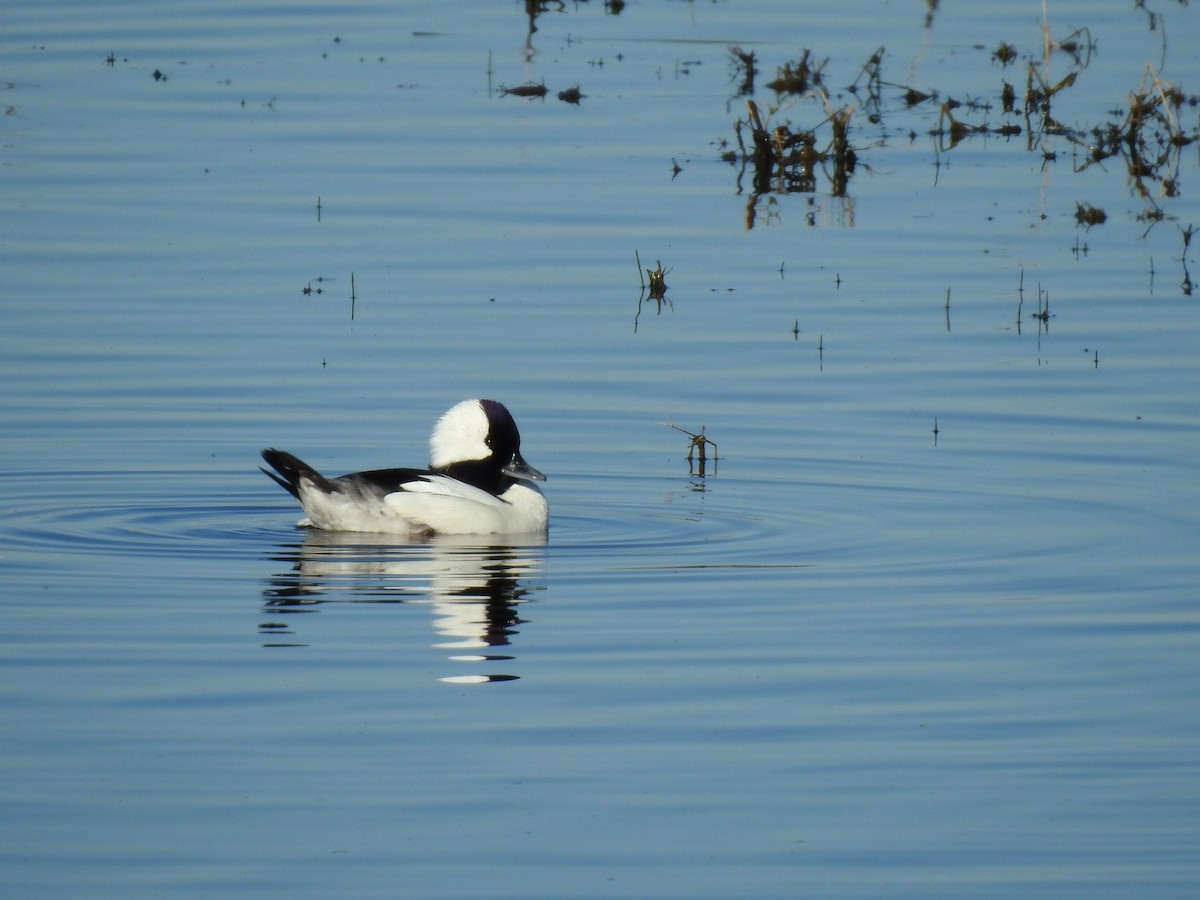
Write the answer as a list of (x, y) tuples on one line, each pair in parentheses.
[(859, 657)]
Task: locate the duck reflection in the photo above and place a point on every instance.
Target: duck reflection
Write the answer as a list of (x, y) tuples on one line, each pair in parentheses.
[(472, 585)]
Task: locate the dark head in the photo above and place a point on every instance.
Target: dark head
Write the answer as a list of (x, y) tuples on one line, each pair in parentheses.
[(480, 432)]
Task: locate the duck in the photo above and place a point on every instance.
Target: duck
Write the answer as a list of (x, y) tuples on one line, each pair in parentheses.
[(477, 483)]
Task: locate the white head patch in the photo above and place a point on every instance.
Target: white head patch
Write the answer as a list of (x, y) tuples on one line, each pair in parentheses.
[(460, 435)]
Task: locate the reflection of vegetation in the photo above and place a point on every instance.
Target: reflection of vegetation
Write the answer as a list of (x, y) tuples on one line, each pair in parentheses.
[(780, 150), (744, 64), (525, 90), (1089, 215), (1148, 139), (698, 445), (786, 161), (656, 290), (1188, 285), (1005, 54), (1146, 135), (799, 78), (533, 9), (782, 158)]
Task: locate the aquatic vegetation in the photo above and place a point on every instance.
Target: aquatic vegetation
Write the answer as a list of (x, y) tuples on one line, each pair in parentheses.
[(1148, 139), (658, 284), (808, 137), (745, 68), (1005, 54), (784, 160), (1187, 284), (872, 70), (570, 95), (538, 89), (782, 157), (656, 290), (698, 444), (1089, 215), (1042, 316), (798, 78), (525, 90)]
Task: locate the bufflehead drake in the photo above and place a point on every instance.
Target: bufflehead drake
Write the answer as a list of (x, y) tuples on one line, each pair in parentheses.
[(477, 483)]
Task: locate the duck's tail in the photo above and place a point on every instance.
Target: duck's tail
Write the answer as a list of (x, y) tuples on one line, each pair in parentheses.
[(290, 470)]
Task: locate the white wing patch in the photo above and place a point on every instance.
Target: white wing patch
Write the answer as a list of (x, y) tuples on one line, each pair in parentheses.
[(444, 486), (430, 503), (447, 506)]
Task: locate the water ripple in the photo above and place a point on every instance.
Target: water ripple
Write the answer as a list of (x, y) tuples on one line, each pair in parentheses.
[(147, 515), (128, 514), (728, 525)]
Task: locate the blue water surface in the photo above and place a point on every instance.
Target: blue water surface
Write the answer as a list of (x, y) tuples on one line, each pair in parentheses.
[(927, 626)]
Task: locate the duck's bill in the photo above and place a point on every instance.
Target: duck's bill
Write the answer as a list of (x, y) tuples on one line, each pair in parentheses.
[(518, 468)]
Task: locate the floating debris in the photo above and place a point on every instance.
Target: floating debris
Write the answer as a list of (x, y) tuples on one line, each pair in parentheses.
[(953, 129), (872, 69), (798, 78), (1008, 97), (697, 455), (657, 288), (658, 284), (571, 95), (1005, 54), (1038, 93), (1188, 285), (787, 161), (1078, 45), (1089, 215), (913, 97), (525, 90), (1149, 138), (744, 63), (1147, 132)]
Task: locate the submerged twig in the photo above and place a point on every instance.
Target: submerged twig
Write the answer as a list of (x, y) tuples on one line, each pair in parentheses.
[(697, 445), (656, 290)]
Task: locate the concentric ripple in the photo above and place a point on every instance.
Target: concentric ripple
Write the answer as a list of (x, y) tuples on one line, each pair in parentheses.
[(721, 523), (134, 515), (147, 514)]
